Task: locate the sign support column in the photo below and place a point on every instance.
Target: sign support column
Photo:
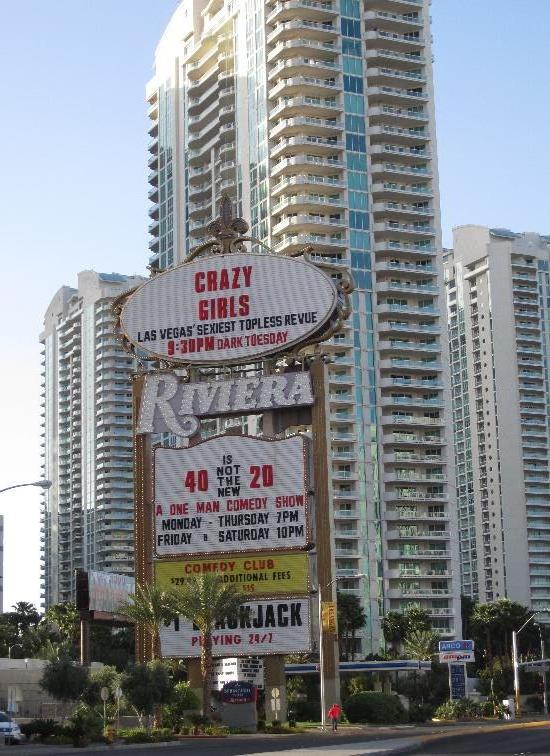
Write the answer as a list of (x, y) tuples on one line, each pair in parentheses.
[(323, 526), (143, 519)]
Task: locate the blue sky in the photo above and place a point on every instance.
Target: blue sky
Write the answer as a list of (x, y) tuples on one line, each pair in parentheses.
[(74, 192)]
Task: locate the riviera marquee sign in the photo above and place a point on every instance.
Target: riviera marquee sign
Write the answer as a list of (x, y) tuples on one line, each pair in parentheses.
[(279, 626), (169, 403), (228, 309), (230, 494)]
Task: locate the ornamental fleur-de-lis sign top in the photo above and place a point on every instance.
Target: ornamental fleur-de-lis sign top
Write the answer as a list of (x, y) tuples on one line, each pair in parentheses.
[(226, 228)]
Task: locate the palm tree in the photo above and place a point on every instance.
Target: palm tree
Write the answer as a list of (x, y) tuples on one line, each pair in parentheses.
[(150, 606), (421, 644), (205, 600), (394, 627)]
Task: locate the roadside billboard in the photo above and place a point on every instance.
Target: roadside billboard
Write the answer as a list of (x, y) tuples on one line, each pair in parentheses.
[(265, 574), (231, 494), (278, 626), (227, 309)]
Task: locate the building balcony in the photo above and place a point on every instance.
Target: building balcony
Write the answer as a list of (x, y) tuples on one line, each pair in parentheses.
[(410, 136), (318, 107), (317, 145), (196, 122), (316, 30), (412, 421), (204, 99), (308, 224), (414, 533), (322, 166), (396, 95), (387, 171), (153, 178), (153, 211), (402, 209), (393, 20), (196, 88), (384, 76), (300, 202), (311, 85), (395, 115), (383, 56), (377, 38), (288, 47), (302, 182), (414, 271), (315, 126), (314, 10), (408, 249), (302, 67)]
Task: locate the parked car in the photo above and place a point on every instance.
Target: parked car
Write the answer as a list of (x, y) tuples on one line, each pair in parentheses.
[(9, 729)]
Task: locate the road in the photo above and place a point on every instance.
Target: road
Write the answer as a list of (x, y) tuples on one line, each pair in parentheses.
[(512, 742), (508, 743)]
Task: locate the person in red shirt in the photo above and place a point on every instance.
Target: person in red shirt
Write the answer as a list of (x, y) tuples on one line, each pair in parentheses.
[(334, 715)]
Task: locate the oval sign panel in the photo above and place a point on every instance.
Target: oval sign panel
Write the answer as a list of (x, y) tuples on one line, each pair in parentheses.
[(228, 308)]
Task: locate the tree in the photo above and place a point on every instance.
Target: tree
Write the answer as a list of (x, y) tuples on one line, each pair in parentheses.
[(113, 646), (394, 627), (24, 615), (492, 625), (65, 618), (150, 606), (420, 644), (106, 677), (182, 701), (417, 619), (351, 618), (146, 686), (64, 680), (206, 600)]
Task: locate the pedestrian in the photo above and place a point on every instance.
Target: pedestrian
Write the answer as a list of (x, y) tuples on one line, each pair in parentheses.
[(334, 715)]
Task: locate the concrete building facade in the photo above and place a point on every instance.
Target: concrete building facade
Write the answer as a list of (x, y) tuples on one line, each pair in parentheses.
[(498, 298), (87, 514), (316, 118)]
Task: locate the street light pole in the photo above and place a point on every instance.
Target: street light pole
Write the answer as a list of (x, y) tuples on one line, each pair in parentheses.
[(321, 655), (44, 484), (544, 685), (515, 662)]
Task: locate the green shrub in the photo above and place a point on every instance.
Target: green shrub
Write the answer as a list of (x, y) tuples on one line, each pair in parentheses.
[(375, 708), (135, 735), (307, 711), (420, 712), (183, 700), (534, 703), (197, 720), (464, 708), (42, 728), (85, 725)]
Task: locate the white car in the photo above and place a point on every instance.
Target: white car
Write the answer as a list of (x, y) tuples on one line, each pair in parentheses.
[(9, 729)]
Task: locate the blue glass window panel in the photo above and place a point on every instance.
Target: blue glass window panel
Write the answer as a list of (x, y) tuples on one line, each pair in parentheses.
[(355, 123), (353, 84), (356, 142), (354, 103), (351, 47), (356, 161), (352, 66), (359, 239), (358, 200), (357, 180), (351, 28), (358, 219), (350, 8), (363, 279)]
